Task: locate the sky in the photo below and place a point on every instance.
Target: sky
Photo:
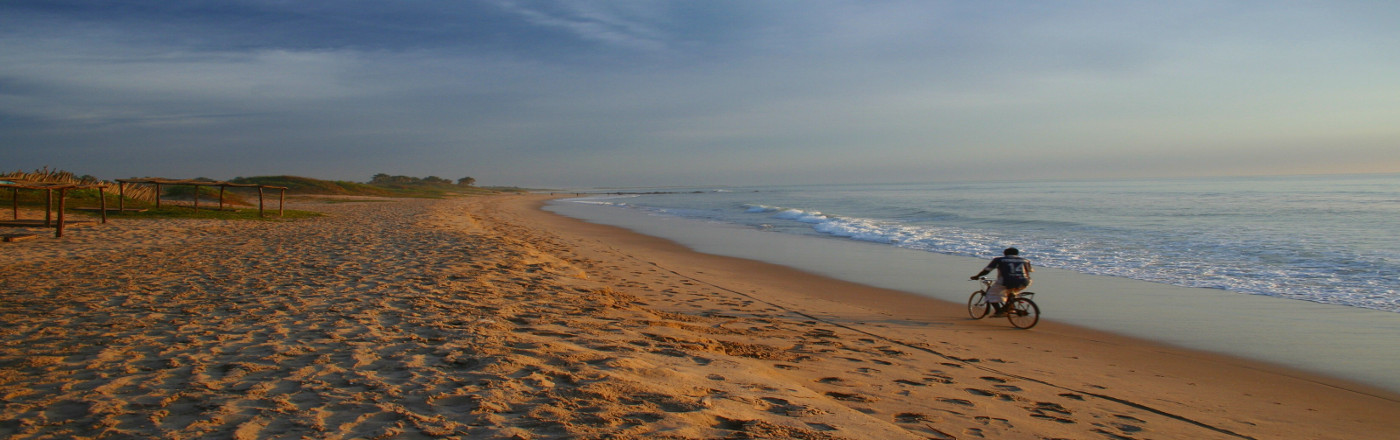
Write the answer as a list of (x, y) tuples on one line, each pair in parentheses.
[(575, 94)]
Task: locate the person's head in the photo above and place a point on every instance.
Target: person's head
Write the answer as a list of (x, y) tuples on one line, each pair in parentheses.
[(1011, 251)]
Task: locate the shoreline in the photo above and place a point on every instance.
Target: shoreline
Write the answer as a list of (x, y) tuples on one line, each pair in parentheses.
[(1331, 340), (489, 317), (1217, 375)]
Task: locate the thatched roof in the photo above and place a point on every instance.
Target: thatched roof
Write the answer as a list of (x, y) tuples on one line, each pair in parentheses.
[(26, 184)]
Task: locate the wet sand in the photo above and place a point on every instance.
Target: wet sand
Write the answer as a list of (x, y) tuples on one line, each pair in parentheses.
[(488, 318), (1339, 341)]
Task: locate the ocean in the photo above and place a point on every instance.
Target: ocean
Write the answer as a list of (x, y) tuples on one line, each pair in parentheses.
[(1331, 239), (1296, 271)]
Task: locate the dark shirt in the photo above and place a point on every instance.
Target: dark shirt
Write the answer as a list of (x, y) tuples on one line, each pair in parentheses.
[(1011, 266)]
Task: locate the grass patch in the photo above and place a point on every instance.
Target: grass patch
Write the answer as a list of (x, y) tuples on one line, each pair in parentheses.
[(187, 212), (413, 189), (85, 202), (243, 200)]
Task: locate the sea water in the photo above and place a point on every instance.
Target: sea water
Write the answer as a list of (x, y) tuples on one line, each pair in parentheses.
[(1327, 239), (1298, 271)]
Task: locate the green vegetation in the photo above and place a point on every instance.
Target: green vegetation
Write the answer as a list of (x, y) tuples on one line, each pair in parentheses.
[(142, 197), (381, 185), (207, 194), (305, 185), (79, 198), (79, 201), (209, 213)]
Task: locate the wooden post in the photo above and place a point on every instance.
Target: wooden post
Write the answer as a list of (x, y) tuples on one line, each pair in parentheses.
[(48, 208), (102, 196), (196, 198), (62, 195), (281, 200), (260, 201), (157, 196), (221, 197), (121, 197), (14, 194)]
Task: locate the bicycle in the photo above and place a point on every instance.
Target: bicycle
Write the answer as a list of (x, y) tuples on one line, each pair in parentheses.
[(1021, 311)]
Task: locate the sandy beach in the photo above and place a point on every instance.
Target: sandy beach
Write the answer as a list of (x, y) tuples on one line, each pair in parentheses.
[(486, 317)]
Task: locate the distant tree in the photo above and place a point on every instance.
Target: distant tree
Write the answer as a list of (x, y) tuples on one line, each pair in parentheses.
[(466, 181), (435, 180), (385, 179)]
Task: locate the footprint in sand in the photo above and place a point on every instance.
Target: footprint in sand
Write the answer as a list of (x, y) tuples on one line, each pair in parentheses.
[(786, 408), (1053, 412), (994, 421), (912, 418), (849, 397), (985, 393)]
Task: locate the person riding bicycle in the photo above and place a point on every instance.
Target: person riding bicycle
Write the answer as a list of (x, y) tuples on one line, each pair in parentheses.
[(1013, 276)]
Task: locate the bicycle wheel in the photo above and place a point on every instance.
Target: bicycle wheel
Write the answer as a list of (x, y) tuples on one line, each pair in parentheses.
[(1024, 313), (977, 306)]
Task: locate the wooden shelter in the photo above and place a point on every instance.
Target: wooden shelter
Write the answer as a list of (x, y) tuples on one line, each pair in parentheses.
[(49, 188), (281, 200)]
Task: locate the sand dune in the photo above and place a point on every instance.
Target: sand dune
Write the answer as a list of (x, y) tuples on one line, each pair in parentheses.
[(484, 318)]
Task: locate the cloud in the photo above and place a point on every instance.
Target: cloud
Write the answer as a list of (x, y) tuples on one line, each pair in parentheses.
[(577, 93), (631, 25)]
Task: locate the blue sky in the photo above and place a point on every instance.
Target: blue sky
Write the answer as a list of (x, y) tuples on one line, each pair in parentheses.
[(644, 93)]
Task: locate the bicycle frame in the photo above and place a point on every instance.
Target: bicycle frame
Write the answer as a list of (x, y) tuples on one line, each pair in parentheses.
[(987, 285), (1025, 315)]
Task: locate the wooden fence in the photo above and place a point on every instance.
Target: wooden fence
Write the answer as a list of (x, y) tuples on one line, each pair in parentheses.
[(62, 188), (49, 188), (281, 199)]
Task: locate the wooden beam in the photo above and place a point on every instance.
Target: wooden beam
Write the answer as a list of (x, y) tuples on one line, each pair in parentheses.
[(18, 237), (62, 195)]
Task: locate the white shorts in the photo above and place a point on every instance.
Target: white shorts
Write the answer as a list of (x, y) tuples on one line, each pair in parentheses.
[(997, 294)]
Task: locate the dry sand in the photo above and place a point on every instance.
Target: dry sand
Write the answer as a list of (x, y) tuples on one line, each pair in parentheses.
[(487, 318)]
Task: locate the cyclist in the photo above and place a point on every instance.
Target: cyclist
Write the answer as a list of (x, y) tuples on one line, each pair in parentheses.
[(1013, 276)]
